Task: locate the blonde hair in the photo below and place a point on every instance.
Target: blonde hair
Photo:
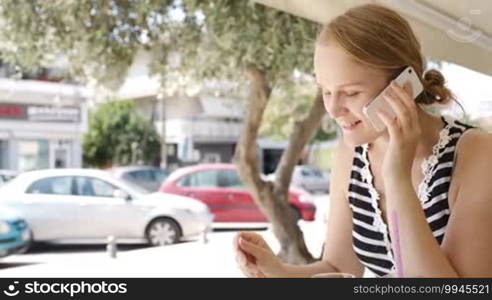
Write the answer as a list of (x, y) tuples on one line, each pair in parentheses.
[(379, 37)]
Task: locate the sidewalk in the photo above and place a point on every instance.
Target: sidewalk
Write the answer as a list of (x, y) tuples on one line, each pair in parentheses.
[(189, 259)]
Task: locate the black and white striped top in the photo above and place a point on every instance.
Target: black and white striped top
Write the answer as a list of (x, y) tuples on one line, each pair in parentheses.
[(371, 240)]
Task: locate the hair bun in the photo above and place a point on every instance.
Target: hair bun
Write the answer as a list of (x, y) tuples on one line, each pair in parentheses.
[(434, 77), (435, 90)]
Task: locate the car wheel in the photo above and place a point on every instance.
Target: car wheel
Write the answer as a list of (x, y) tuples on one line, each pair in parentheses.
[(162, 232), (296, 213), (28, 245)]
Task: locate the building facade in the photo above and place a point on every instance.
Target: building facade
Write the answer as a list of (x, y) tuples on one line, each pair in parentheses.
[(41, 124), (197, 129)]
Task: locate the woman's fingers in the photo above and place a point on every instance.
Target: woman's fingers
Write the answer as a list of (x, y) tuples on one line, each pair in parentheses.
[(405, 92), (244, 262), (333, 275), (247, 253), (256, 239), (250, 235), (253, 237), (248, 268), (251, 248), (235, 241), (391, 123), (398, 107), (406, 95), (253, 253), (247, 256), (238, 249)]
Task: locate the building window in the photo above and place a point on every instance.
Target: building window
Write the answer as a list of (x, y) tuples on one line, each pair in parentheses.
[(33, 154)]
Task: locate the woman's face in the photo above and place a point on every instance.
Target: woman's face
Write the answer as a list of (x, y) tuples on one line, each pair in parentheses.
[(347, 86)]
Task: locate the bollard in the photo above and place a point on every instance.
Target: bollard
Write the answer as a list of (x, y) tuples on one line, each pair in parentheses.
[(111, 247), (205, 234)]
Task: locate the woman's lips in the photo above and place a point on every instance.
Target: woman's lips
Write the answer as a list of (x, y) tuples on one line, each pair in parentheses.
[(350, 126)]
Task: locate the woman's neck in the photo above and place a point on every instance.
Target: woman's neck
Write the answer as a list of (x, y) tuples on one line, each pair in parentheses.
[(430, 126)]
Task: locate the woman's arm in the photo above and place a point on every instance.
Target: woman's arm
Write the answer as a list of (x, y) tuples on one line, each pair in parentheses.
[(466, 248), (420, 253), (467, 243), (468, 239), (338, 253), (417, 252)]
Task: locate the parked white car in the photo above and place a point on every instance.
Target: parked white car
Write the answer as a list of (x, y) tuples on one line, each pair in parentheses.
[(74, 205)]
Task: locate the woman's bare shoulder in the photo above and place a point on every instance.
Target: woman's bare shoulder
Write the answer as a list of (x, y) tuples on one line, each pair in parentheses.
[(473, 161), (475, 145), (342, 161), (344, 154)]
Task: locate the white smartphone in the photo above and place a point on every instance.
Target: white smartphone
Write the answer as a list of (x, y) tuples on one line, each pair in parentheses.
[(370, 109)]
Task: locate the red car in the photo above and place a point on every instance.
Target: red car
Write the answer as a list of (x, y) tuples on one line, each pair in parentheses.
[(219, 186)]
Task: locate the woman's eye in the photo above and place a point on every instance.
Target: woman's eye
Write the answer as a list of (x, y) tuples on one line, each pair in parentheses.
[(352, 94)]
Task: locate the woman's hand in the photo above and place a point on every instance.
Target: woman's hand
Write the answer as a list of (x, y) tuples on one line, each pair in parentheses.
[(404, 132), (333, 275), (254, 256)]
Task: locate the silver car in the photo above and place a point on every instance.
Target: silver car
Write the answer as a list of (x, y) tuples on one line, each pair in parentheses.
[(78, 205), (311, 179), (147, 177)]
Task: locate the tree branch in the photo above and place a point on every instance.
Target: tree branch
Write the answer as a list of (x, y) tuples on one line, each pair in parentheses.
[(303, 132), (246, 154)]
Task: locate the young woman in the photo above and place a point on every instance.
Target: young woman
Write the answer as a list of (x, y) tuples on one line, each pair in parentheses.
[(414, 200)]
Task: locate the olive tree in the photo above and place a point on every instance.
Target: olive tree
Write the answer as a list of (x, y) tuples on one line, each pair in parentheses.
[(265, 48)]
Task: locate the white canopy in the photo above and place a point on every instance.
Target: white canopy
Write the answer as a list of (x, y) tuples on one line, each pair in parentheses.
[(457, 31)]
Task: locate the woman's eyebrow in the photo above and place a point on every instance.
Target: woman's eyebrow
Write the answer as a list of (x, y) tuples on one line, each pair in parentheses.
[(350, 83), (344, 84)]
